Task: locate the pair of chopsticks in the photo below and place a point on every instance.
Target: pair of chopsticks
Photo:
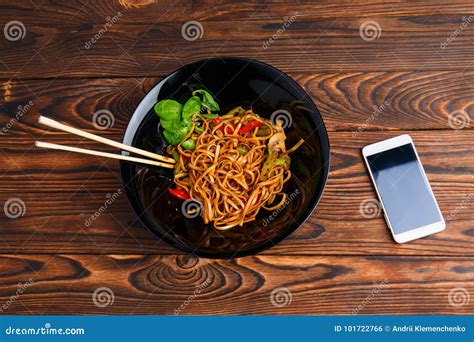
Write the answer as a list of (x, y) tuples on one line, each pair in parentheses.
[(155, 159)]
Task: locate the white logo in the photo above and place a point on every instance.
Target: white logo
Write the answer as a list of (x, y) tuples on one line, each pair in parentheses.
[(14, 30), (458, 119), (283, 116), (369, 208), (191, 208), (280, 297), (370, 30), (103, 119), (14, 208), (458, 297), (192, 30), (103, 296)]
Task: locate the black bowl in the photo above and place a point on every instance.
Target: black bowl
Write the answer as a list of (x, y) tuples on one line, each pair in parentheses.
[(233, 82)]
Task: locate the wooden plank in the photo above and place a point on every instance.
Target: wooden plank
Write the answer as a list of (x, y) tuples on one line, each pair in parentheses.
[(144, 11), (140, 284), (347, 101), (76, 186), (148, 41)]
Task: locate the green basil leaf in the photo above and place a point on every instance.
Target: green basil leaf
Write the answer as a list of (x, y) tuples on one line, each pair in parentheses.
[(207, 100), (191, 107), (175, 136), (168, 110), (170, 125)]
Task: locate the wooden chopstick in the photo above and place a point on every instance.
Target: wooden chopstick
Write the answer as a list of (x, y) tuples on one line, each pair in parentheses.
[(102, 154), (55, 124)]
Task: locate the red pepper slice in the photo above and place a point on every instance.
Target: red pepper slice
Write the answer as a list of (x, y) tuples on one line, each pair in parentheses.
[(180, 193), (250, 126), (217, 121)]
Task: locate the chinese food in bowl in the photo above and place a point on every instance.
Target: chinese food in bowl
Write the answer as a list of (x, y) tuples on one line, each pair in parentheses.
[(231, 165)]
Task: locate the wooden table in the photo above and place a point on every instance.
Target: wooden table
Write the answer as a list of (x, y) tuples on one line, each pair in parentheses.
[(413, 73)]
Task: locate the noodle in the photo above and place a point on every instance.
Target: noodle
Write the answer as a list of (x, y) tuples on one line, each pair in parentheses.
[(234, 171)]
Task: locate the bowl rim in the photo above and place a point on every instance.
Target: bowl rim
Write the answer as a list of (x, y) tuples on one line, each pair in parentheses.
[(314, 201)]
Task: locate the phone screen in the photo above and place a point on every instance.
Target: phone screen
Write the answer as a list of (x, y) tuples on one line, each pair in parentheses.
[(404, 192)]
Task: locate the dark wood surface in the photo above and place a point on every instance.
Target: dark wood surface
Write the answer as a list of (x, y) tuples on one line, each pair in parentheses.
[(337, 260)]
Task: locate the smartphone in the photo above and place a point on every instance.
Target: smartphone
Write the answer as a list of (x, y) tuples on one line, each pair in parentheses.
[(405, 195)]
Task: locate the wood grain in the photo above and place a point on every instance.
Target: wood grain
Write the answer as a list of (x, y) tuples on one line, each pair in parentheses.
[(76, 186), (147, 41), (338, 262), (169, 285), (146, 11), (347, 101)]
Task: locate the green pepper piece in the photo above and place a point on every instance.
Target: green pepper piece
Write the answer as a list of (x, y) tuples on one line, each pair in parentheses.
[(237, 110), (189, 144), (209, 116), (175, 156)]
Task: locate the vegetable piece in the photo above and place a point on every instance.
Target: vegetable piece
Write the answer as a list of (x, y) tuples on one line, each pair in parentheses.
[(237, 110), (209, 116), (285, 161), (216, 121), (180, 193), (191, 107), (263, 131), (277, 142), (174, 137), (170, 125), (168, 110), (189, 144), (242, 150), (250, 126), (176, 119), (175, 155), (207, 100)]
